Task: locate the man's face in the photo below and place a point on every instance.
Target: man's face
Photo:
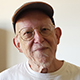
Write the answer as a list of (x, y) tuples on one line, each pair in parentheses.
[(40, 49)]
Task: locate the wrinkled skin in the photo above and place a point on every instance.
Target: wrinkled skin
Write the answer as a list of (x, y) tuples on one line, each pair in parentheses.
[(41, 50)]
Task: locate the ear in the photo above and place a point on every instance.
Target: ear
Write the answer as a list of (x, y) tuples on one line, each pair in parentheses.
[(17, 44), (58, 33)]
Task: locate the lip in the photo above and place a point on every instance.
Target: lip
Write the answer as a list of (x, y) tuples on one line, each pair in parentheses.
[(40, 49)]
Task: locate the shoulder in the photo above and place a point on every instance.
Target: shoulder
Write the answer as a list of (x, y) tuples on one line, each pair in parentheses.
[(13, 71), (73, 69), (72, 66)]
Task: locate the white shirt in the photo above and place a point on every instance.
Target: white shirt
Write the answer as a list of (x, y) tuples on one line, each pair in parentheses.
[(22, 71)]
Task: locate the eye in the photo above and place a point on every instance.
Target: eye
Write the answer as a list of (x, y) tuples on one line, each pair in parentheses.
[(26, 33), (45, 29)]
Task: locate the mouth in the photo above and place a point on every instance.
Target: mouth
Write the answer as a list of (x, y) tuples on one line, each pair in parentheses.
[(41, 49)]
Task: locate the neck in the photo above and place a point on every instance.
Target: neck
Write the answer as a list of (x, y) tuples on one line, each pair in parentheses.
[(54, 66)]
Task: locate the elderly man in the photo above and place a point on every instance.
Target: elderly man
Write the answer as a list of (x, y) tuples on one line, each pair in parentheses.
[(37, 38)]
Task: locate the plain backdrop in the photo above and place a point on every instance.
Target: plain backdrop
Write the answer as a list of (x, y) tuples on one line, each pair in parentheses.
[(66, 16)]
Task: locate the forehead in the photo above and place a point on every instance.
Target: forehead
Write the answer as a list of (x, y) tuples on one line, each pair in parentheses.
[(32, 18)]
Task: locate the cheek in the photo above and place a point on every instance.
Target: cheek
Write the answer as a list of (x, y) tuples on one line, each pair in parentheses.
[(26, 48), (53, 42)]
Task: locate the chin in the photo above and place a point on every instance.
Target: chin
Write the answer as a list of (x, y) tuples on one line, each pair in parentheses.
[(44, 62), (42, 59), (45, 65)]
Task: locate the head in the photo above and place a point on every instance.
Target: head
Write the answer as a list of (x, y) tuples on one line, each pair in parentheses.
[(36, 37)]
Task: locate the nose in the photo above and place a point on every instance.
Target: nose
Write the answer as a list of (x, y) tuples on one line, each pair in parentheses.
[(38, 38)]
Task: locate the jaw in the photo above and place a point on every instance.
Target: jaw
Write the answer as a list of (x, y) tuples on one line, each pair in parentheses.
[(42, 57), (41, 64)]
